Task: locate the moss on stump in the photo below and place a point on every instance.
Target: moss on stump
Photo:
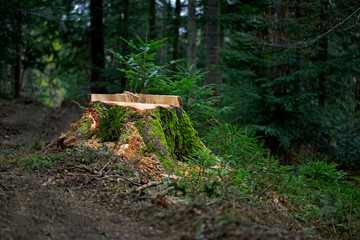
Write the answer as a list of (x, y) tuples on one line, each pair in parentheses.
[(154, 140)]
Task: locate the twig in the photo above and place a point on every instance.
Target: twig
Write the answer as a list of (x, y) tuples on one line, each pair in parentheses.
[(122, 178), (101, 175), (2, 192), (212, 202), (105, 166), (78, 174), (150, 184), (265, 190), (87, 168)]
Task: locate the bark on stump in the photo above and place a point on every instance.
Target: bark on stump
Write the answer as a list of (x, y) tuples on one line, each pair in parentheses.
[(151, 132)]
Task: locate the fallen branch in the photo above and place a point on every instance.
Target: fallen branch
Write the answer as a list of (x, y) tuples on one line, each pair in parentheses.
[(212, 202), (105, 166), (101, 175), (150, 184), (122, 178)]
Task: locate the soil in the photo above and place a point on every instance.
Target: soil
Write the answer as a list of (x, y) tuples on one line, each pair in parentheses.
[(61, 202), (27, 121)]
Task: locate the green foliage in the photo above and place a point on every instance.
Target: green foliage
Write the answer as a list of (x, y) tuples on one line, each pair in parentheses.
[(316, 190), (294, 91), (40, 161), (202, 158), (146, 76), (141, 70), (321, 171), (195, 97), (79, 105)]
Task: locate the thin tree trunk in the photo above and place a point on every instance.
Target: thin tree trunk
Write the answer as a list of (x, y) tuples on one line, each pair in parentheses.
[(357, 93), (280, 38), (191, 34), (18, 81), (323, 56), (152, 19), (323, 81), (357, 87), (97, 46), (176, 30), (125, 47), (126, 25), (164, 31), (300, 86), (212, 44)]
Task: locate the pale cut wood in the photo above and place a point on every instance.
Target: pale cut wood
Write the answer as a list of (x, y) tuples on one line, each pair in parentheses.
[(143, 101), (138, 106)]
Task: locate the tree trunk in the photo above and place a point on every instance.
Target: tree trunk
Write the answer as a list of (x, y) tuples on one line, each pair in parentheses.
[(97, 46), (18, 81), (125, 46), (280, 38), (357, 93), (323, 90), (176, 30), (164, 31), (191, 35), (300, 86), (323, 56), (152, 19), (212, 42), (126, 26)]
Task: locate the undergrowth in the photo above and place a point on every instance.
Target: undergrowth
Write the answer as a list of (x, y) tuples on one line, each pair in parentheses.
[(40, 161), (315, 192)]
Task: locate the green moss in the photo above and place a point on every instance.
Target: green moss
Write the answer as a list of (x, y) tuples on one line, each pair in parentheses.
[(125, 135), (170, 134), (167, 133), (84, 127), (139, 125), (181, 138), (112, 121), (140, 151), (156, 130), (150, 146), (166, 161)]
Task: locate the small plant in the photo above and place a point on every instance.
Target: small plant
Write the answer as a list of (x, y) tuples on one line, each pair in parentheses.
[(321, 171), (140, 68), (40, 161), (79, 105), (145, 76)]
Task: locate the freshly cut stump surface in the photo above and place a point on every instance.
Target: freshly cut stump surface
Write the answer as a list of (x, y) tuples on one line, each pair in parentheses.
[(150, 134)]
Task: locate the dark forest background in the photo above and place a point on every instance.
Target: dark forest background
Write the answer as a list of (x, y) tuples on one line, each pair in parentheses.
[(287, 71)]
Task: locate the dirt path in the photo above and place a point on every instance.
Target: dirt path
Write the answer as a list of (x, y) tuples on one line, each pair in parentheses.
[(58, 203), (32, 209), (27, 121), (36, 205)]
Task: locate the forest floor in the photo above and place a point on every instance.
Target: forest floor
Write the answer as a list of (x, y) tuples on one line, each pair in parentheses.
[(58, 202)]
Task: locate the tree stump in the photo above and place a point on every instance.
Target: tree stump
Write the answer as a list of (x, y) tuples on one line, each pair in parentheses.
[(152, 132)]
